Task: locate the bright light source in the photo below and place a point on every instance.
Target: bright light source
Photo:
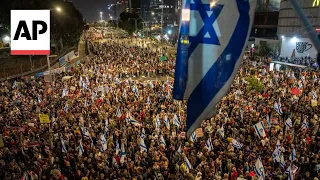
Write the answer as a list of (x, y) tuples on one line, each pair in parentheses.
[(294, 39), (185, 14), (212, 3), (58, 9), (6, 38), (282, 37), (252, 45), (110, 17), (169, 32), (152, 13), (101, 13)]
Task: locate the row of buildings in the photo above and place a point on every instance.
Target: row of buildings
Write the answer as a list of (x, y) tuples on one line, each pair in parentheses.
[(275, 21)]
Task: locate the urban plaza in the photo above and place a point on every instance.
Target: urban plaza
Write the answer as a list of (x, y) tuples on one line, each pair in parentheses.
[(159, 90)]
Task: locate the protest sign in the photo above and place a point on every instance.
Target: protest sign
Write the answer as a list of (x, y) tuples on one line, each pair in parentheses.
[(44, 118)]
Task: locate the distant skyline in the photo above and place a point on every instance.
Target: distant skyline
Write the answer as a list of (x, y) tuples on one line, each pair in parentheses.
[(91, 9)]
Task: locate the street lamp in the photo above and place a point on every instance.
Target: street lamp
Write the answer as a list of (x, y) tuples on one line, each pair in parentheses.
[(152, 13), (58, 9), (6, 38), (169, 32)]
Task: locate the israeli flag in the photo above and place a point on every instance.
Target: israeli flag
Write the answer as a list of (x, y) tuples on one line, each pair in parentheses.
[(148, 101), (162, 141), (260, 130), (64, 92), (64, 148), (180, 150), (304, 124), (66, 108), (117, 147), (166, 122), (193, 137), (268, 121), (271, 83), (106, 127), (143, 147), (282, 162), (14, 85), (290, 173), (278, 144), (85, 103), (258, 169), (135, 90), (117, 80), (314, 95), (176, 121), (276, 155), (85, 132), (143, 133), (158, 123), (118, 113), (134, 122), (103, 142), (288, 123), (151, 84), (209, 53), (277, 107), (81, 150), (209, 144), (236, 144), (123, 153), (188, 164), (293, 155)]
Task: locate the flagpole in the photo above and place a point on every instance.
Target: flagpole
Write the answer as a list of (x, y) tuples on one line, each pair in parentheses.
[(308, 26)]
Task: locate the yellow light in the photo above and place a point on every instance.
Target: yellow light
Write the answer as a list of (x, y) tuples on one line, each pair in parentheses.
[(58, 9), (316, 3), (212, 3)]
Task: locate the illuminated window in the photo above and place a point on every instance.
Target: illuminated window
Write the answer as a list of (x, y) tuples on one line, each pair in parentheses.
[(316, 3)]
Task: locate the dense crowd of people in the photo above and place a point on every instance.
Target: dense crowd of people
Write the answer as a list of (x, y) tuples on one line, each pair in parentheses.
[(107, 122)]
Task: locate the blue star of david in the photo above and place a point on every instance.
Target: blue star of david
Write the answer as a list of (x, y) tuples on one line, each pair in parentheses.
[(208, 24)]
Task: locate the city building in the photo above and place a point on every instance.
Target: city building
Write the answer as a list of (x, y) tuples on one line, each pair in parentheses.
[(293, 33)]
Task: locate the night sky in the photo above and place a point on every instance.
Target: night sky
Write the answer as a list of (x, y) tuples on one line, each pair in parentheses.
[(90, 9)]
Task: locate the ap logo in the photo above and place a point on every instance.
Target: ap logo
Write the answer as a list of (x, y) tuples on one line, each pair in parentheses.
[(30, 32)]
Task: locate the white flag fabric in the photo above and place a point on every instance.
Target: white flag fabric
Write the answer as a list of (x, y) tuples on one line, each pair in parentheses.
[(209, 144), (158, 123), (268, 121), (293, 155), (282, 162), (162, 141), (221, 131), (122, 153), (64, 149), (289, 123), (259, 128), (188, 164), (134, 122), (180, 150), (104, 142), (117, 147), (209, 53), (290, 173), (193, 137), (176, 121), (143, 147), (143, 133), (118, 113), (236, 144), (277, 107), (304, 124), (258, 169), (166, 122), (81, 150)]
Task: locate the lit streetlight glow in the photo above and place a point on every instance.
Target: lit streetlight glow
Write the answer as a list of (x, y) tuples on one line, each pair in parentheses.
[(58, 9), (212, 3)]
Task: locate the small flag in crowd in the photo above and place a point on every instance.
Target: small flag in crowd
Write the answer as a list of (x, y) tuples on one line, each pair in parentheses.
[(66, 108), (198, 64), (276, 155), (158, 123), (166, 122), (290, 173), (118, 113), (162, 141), (282, 162), (117, 80), (193, 136), (259, 128), (148, 101), (176, 120), (236, 144), (304, 124), (64, 92), (209, 144), (81, 150), (143, 147), (85, 132), (123, 153), (143, 133), (314, 95), (39, 99), (277, 107), (268, 121), (64, 148), (106, 127), (289, 123), (241, 113), (134, 122), (135, 90), (258, 169), (103, 142), (117, 148), (293, 155), (151, 84), (188, 164), (180, 150)]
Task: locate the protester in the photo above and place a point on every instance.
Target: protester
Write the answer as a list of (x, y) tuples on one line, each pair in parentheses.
[(115, 119)]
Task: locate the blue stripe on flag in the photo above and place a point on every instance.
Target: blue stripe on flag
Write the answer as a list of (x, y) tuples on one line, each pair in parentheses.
[(222, 71)]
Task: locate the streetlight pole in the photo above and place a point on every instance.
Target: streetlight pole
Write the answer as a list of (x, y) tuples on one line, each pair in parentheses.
[(49, 66)]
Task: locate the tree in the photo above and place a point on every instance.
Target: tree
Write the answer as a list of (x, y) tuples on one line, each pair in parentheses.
[(263, 49), (254, 84), (127, 24)]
